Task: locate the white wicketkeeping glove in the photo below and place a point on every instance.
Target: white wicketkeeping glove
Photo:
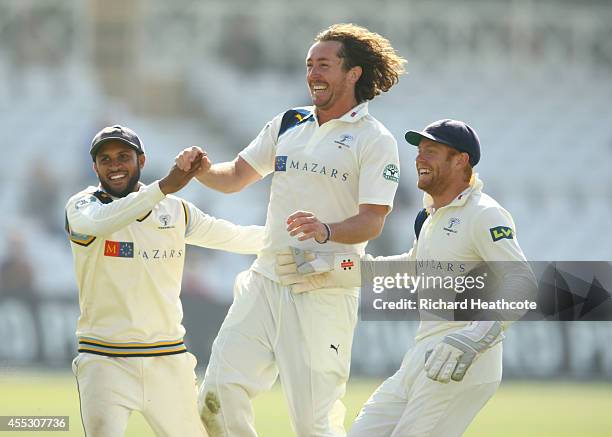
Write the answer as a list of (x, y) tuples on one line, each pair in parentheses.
[(304, 270), (452, 357)]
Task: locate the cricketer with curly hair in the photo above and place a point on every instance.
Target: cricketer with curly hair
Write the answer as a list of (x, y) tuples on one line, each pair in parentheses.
[(335, 170), (380, 66)]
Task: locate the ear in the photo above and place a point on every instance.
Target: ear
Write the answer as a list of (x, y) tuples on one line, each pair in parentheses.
[(355, 74), (464, 159), (95, 169), (141, 160)]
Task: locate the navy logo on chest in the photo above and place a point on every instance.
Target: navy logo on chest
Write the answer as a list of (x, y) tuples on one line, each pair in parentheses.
[(452, 225)]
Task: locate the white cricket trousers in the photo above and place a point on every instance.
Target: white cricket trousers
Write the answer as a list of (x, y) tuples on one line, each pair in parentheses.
[(409, 404), (269, 331), (163, 389)]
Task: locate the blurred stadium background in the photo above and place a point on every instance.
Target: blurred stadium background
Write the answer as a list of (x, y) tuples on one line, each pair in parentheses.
[(534, 78)]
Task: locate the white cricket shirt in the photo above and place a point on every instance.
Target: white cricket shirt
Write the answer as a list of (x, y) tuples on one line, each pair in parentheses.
[(328, 170), (128, 257), (470, 229)]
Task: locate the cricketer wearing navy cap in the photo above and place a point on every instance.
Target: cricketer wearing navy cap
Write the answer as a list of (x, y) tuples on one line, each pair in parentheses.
[(132, 354), (453, 133), (455, 366), (118, 155), (116, 133)]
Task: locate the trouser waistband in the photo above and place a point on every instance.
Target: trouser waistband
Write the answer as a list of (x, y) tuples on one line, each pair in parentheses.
[(131, 349)]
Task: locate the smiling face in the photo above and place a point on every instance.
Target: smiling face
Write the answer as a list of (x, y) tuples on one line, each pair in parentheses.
[(118, 168), (439, 167), (330, 85)]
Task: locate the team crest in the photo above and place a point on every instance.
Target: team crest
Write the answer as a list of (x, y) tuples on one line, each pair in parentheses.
[(452, 225), (344, 140), (164, 220), (391, 173)]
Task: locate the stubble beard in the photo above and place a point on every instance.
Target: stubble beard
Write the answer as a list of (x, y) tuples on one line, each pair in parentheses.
[(336, 95), (129, 188)]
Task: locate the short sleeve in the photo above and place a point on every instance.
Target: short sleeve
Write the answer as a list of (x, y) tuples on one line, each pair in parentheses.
[(379, 171), (494, 235), (260, 153)]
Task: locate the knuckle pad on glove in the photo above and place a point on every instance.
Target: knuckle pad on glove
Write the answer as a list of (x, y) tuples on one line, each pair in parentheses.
[(284, 258), (287, 269)]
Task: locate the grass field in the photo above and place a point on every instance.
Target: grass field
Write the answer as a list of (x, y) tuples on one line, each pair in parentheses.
[(523, 409)]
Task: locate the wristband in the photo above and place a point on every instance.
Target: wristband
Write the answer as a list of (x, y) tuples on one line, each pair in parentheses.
[(328, 229)]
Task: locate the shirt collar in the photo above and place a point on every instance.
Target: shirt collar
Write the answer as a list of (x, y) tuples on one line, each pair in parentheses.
[(352, 116), (356, 113), (475, 188)]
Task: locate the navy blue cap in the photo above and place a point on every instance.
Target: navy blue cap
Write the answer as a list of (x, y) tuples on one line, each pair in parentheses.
[(453, 133), (116, 133)]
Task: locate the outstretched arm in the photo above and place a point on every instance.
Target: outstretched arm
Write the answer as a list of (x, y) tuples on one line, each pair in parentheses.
[(87, 215), (207, 231), (226, 177)]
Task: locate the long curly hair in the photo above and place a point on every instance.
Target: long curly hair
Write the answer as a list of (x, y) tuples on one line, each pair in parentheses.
[(381, 65)]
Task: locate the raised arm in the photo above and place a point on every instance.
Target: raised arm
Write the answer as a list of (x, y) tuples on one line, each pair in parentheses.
[(226, 177), (89, 215)]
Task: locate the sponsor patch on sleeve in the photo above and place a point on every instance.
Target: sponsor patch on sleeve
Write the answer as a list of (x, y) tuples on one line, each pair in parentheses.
[(83, 202), (391, 173), (501, 232)]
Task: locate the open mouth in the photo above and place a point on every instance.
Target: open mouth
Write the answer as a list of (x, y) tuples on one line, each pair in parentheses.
[(318, 87), (117, 177), (423, 171)]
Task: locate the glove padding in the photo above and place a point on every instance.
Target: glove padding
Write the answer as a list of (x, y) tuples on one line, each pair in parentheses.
[(453, 356), (304, 270)]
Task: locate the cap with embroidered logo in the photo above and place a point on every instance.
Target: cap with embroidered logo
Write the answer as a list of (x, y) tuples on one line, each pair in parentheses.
[(453, 133), (116, 133)]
